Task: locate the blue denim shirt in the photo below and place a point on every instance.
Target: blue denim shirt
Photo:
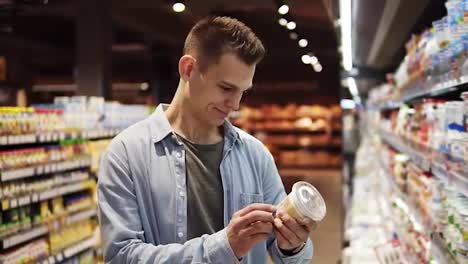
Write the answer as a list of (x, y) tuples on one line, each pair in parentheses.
[(142, 197)]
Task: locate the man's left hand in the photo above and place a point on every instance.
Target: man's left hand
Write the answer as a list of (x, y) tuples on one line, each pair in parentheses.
[(291, 234)]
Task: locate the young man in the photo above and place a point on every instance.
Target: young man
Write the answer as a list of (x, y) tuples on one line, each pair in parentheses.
[(184, 185)]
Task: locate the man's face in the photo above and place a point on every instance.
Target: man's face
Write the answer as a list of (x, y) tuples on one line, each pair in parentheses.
[(218, 90)]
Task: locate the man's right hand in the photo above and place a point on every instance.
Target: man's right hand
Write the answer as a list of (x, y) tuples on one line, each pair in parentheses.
[(249, 226)]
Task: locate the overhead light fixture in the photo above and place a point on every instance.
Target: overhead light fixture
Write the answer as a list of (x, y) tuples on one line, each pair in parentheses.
[(313, 60), (293, 35), (291, 25), (283, 10), (178, 7), (317, 67), (346, 35), (144, 86), (347, 104), (283, 22), (305, 59), (303, 43), (352, 87)]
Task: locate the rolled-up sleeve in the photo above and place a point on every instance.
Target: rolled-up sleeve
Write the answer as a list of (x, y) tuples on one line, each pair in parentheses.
[(121, 228), (274, 194)]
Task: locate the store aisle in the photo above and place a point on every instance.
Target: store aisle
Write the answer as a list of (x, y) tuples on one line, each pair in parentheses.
[(327, 236)]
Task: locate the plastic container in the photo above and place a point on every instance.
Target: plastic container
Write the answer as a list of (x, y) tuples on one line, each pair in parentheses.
[(304, 202)]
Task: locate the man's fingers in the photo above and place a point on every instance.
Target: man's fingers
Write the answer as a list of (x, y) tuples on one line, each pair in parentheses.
[(256, 207), (299, 230), (257, 228), (286, 232), (255, 216), (308, 224), (281, 240), (257, 238)]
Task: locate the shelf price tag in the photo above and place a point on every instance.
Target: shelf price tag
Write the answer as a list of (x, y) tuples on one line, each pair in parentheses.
[(13, 203), (5, 204), (24, 200), (3, 140)]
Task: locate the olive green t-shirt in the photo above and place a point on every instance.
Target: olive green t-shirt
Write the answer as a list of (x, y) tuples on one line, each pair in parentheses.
[(205, 203)]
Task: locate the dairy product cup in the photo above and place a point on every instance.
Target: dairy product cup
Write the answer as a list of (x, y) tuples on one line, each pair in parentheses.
[(304, 202)]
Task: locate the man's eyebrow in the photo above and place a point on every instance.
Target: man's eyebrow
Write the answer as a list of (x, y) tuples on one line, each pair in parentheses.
[(233, 86)]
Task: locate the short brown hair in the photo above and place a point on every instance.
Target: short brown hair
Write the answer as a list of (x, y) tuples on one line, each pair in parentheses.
[(213, 36)]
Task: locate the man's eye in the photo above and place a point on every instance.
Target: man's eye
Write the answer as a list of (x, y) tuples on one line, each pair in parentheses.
[(226, 89)]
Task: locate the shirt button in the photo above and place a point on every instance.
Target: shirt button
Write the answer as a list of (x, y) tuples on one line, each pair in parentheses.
[(180, 234), (179, 154), (181, 193)]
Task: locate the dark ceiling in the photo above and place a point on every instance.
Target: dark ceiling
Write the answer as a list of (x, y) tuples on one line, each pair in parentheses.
[(148, 34), (147, 38)]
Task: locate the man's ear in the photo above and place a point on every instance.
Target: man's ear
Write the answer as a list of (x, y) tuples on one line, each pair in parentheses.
[(186, 66)]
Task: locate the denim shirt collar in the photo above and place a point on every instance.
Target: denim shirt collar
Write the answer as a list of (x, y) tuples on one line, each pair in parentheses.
[(161, 128)]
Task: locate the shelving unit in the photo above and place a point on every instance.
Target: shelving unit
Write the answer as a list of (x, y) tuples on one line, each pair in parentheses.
[(295, 134), (27, 232), (71, 251), (53, 137), (33, 171), (442, 165)]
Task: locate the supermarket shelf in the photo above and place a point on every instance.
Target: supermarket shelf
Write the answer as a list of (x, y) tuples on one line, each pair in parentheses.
[(439, 247), (458, 180), (440, 250), (292, 130), (435, 90), (416, 93), (305, 146), (290, 117), (323, 172), (43, 229), (417, 219), (24, 236), (61, 166), (308, 167), (46, 195), (418, 158), (56, 136), (440, 171), (71, 251), (82, 215)]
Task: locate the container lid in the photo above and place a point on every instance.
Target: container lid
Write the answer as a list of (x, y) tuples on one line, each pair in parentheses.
[(308, 201)]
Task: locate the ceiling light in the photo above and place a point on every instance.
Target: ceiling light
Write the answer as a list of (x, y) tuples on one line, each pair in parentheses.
[(144, 86), (293, 35), (283, 10), (291, 25), (178, 7), (303, 43), (346, 35), (318, 67), (283, 22), (347, 104), (313, 60), (305, 59), (352, 86)]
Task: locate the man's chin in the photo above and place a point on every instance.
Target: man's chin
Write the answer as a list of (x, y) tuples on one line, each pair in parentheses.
[(218, 122)]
